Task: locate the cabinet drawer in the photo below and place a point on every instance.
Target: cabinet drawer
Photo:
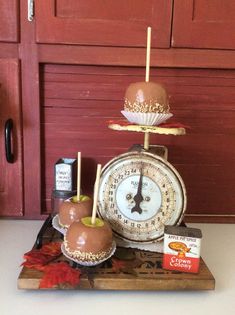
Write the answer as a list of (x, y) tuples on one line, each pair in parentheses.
[(110, 23), (9, 21), (204, 24)]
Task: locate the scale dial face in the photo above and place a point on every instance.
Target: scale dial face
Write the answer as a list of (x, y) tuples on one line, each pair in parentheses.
[(139, 194)]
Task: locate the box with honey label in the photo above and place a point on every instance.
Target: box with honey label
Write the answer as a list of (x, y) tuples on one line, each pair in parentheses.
[(182, 249)]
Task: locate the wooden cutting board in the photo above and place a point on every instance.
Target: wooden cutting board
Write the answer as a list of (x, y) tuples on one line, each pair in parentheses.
[(143, 272)]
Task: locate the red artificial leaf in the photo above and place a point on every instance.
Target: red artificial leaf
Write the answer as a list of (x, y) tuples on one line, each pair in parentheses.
[(38, 258), (173, 125), (54, 274), (39, 267), (127, 266), (33, 255), (51, 249), (118, 265), (120, 122), (59, 274)]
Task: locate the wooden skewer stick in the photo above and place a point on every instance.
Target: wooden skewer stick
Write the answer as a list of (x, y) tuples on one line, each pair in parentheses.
[(78, 176), (146, 134), (96, 191), (148, 54), (146, 140)]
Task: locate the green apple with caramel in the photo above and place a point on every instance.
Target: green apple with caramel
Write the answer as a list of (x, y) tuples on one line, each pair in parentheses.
[(89, 242), (73, 209)]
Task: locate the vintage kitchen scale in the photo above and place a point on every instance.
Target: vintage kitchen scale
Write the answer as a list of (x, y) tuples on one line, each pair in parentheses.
[(139, 193)]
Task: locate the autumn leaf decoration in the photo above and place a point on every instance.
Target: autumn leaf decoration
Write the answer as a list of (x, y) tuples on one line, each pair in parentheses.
[(38, 258), (126, 266), (175, 124), (52, 249), (60, 275), (118, 265), (55, 274)]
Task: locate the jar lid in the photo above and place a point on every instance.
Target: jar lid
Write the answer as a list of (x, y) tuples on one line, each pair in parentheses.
[(64, 194)]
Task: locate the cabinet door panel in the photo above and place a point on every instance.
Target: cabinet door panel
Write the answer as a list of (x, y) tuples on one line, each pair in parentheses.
[(112, 23), (11, 188), (204, 24), (9, 21)]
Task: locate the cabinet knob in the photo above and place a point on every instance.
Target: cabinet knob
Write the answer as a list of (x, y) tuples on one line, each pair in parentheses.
[(8, 131)]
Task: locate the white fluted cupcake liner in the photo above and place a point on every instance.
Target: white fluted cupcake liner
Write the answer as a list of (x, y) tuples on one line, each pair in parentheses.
[(88, 263), (147, 119)]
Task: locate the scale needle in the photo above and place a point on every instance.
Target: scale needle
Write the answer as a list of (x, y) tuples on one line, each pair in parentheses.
[(138, 198)]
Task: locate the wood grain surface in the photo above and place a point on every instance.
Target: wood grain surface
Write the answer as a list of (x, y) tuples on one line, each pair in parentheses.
[(78, 101), (104, 24), (11, 181), (148, 275)]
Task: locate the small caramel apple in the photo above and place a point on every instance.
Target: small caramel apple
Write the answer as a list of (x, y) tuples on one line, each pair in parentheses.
[(89, 242), (72, 210), (146, 103), (146, 97)]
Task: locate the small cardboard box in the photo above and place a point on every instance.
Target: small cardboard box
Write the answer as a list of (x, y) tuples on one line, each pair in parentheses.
[(181, 250), (65, 174)]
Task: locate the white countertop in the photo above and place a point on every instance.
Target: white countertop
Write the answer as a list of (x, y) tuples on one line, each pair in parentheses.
[(218, 251)]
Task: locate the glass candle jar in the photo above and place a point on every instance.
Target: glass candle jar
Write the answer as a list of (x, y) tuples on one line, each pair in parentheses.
[(58, 197)]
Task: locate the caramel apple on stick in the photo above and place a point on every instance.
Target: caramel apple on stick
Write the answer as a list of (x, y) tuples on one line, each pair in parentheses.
[(148, 54), (76, 207), (78, 175), (96, 191), (145, 102), (90, 240)]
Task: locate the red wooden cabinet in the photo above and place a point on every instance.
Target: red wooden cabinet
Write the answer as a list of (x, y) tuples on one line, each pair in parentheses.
[(9, 21), (204, 24), (70, 67), (110, 23), (11, 182)]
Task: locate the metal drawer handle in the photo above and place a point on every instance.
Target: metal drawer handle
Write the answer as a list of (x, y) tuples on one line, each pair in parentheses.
[(8, 130), (30, 10)]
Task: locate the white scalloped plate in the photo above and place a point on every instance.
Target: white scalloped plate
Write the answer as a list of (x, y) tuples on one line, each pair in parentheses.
[(57, 226)]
